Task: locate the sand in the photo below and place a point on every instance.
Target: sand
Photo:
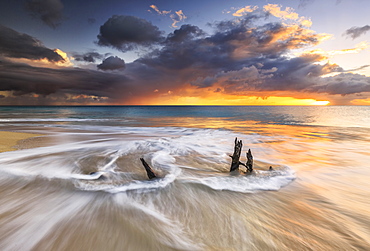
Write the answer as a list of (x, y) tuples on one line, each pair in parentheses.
[(10, 141)]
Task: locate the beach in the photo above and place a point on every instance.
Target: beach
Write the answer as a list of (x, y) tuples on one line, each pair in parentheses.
[(11, 141), (315, 198)]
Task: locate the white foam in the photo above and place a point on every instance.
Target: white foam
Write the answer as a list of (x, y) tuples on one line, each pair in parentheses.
[(145, 186), (198, 149), (258, 181)]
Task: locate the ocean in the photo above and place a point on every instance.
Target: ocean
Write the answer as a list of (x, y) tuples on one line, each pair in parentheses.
[(83, 186)]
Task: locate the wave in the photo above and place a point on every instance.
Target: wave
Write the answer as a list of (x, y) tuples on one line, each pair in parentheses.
[(259, 180), (136, 185), (111, 164)]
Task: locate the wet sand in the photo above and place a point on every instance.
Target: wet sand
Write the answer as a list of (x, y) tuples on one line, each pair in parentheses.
[(11, 141)]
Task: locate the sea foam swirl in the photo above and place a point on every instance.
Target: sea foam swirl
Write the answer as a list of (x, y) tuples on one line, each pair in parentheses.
[(111, 164)]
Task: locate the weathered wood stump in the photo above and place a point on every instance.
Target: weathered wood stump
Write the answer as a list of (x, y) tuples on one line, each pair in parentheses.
[(235, 162), (249, 161), (235, 158), (148, 169)]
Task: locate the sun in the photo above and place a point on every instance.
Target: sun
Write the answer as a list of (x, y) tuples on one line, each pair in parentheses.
[(320, 103)]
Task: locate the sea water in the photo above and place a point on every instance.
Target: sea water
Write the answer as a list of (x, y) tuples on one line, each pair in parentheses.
[(86, 189)]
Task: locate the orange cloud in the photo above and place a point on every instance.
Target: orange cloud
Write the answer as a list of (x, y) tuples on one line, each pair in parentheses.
[(287, 14), (45, 62), (361, 101), (67, 62), (247, 9), (180, 16), (289, 36), (163, 12), (357, 49), (276, 11), (177, 17)]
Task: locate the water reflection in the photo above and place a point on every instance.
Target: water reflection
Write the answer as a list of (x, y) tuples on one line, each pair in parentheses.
[(45, 204)]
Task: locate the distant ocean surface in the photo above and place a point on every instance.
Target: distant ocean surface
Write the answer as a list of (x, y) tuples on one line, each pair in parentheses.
[(317, 197)]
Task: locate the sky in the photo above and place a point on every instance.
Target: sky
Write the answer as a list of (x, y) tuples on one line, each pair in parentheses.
[(161, 52)]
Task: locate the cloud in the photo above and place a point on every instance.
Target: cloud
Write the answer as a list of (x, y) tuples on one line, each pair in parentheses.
[(49, 11), (287, 14), (19, 45), (185, 33), (163, 12), (356, 32), (275, 10), (247, 9), (233, 45), (66, 60), (245, 56), (90, 57), (233, 79), (112, 63), (126, 33), (298, 75), (24, 79), (177, 17), (357, 49), (343, 84)]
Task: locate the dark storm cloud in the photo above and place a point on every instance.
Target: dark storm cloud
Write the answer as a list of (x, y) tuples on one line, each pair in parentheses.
[(343, 84), (112, 63), (90, 57), (186, 32), (24, 79), (204, 82), (49, 11), (127, 33), (355, 32), (243, 57), (232, 46), (18, 45)]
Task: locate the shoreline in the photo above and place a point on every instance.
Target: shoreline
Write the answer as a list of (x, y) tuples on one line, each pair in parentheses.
[(12, 141)]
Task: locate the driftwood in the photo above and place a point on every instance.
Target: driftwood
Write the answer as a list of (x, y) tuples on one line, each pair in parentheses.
[(235, 158), (249, 161), (148, 169), (235, 161)]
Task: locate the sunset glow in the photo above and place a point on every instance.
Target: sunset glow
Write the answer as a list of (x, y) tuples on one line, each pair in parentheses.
[(235, 53), (229, 100)]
